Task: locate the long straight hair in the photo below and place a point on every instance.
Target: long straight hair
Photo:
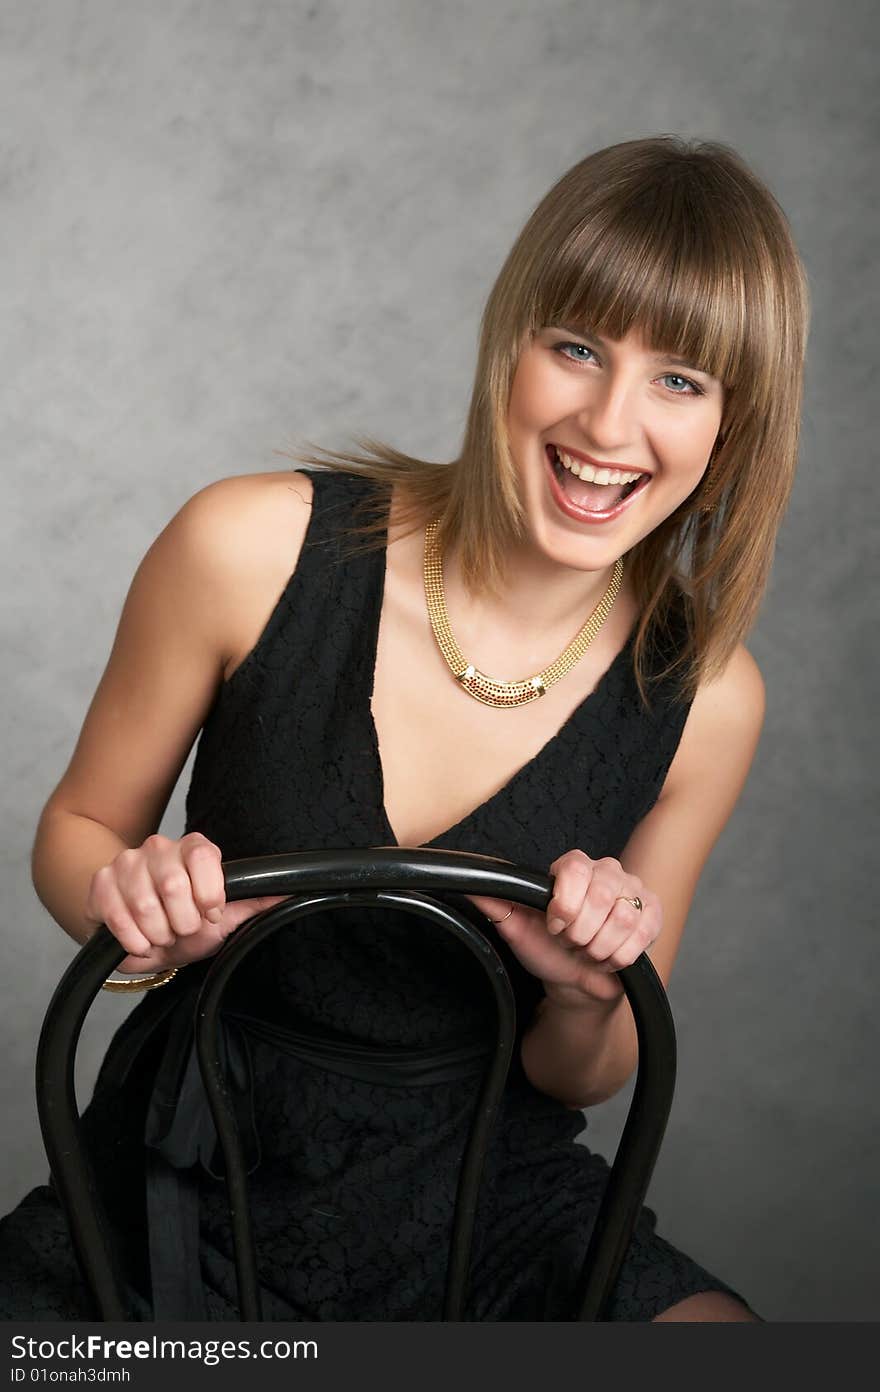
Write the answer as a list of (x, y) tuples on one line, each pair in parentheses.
[(683, 243)]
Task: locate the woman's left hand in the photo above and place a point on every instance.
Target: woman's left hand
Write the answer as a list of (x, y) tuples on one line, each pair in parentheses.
[(588, 932)]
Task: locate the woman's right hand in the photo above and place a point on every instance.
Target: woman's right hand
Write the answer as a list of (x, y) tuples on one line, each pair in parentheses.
[(165, 902)]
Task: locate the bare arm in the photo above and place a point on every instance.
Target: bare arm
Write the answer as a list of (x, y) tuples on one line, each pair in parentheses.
[(582, 1051), (184, 607)]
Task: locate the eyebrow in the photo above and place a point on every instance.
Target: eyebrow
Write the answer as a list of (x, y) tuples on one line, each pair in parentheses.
[(657, 357)]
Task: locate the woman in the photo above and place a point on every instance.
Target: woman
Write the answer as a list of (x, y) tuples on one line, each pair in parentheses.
[(605, 536)]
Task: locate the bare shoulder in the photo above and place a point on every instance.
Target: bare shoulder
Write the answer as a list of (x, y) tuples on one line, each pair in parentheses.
[(199, 591), (723, 728), (254, 526), (246, 510)]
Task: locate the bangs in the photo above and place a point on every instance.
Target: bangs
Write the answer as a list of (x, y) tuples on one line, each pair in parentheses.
[(666, 262)]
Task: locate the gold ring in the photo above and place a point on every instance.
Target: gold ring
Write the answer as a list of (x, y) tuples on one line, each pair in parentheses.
[(636, 902), (504, 919)]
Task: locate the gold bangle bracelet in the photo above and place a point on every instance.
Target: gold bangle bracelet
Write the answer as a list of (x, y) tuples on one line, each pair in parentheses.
[(140, 983)]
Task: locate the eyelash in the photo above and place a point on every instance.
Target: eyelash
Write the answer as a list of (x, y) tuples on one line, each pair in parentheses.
[(697, 390)]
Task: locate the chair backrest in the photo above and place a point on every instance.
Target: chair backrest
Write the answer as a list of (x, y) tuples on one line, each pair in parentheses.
[(316, 880)]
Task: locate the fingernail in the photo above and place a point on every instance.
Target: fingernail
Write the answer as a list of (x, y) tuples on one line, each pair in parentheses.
[(555, 925), (214, 915)]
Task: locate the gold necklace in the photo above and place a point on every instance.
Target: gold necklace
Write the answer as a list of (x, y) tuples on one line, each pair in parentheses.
[(476, 683)]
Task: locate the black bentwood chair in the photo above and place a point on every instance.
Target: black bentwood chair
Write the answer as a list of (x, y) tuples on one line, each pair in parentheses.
[(403, 879)]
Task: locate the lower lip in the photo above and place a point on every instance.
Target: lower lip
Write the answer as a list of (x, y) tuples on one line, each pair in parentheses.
[(578, 514)]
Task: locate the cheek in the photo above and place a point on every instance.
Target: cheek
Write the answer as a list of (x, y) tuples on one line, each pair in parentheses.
[(536, 401), (521, 407), (690, 442)]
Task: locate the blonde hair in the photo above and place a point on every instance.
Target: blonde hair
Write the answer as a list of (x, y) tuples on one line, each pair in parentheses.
[(682, 242)]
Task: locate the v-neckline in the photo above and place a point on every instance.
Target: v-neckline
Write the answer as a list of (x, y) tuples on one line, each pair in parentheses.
[(381, 559)]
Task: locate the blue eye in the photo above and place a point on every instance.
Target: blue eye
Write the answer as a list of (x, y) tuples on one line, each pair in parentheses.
[(580, 347), (675, 376)]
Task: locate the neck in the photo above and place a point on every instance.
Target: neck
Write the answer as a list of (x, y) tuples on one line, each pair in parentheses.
[(538, 598)]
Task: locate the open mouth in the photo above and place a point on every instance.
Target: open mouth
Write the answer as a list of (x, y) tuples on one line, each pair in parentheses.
[(586, 493)]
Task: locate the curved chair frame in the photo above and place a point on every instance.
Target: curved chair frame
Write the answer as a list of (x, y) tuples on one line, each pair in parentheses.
[(400, 878)]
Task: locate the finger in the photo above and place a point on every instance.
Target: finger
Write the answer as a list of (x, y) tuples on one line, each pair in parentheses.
[(172, 885), (204, 867), (574, 873), (239, 911), (603, 891), (610, 938), (630, 952), (153, 961), (143, 903), (646, 927), (493, 909), (623, 920), (193, 948), (174, 888), (106, 905), (649, 926)]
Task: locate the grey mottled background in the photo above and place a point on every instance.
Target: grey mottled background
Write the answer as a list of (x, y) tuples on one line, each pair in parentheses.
[(224, 226)]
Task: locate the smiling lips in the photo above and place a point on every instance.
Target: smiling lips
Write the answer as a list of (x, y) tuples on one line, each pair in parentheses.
[(588, 493)]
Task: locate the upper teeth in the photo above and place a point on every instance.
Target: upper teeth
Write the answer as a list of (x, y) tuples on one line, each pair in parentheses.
[(593, 475)]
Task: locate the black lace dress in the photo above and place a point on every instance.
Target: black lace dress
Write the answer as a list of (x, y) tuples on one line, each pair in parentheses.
[(353, 1178)]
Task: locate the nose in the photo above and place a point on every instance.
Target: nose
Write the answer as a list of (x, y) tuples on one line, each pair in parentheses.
[(608, 415)]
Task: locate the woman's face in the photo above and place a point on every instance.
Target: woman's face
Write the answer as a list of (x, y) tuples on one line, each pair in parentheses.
[(616, 403)]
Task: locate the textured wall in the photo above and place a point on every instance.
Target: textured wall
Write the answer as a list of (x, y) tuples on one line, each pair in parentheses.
[(225, 226)]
